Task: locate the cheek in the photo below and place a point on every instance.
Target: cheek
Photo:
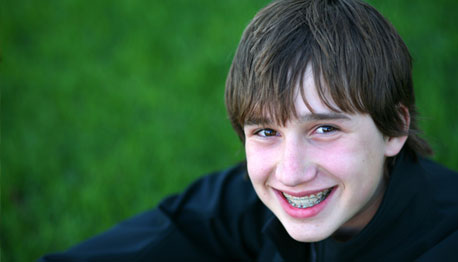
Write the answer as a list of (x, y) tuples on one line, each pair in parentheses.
[(339, 159), (356, 169), (353, 160), (259, 163)]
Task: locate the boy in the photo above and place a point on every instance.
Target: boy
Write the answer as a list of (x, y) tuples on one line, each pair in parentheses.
[(320, 93)]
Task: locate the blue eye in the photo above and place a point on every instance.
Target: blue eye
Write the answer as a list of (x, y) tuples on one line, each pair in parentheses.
[(267, 132), (325, 129)]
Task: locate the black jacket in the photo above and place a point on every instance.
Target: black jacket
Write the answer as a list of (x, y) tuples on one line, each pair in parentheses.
[(220, 218)]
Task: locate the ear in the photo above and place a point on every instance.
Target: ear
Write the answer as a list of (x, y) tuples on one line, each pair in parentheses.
[(395, 144)]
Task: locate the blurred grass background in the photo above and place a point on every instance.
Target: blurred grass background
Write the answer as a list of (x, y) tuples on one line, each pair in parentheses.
[(108, 106)]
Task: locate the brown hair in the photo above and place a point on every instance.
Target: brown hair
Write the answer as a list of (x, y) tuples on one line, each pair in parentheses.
[(358, 60)]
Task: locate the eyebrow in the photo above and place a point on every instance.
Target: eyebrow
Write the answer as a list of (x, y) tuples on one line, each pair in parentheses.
[(301, 118), (323, 116)]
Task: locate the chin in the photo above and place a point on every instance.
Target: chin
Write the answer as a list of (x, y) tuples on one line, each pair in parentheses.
[(301, 234), (308, 238)]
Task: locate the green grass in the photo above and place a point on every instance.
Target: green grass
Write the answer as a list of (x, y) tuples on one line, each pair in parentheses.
[(108, 106)]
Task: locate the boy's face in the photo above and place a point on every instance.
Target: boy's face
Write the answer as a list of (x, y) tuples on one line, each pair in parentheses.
[(320, 172)]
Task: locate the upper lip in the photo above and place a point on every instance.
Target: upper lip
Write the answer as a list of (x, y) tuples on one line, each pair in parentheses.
[(304, 193)]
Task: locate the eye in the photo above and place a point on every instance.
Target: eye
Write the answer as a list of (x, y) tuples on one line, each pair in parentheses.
[(326, 129), (266, 132)]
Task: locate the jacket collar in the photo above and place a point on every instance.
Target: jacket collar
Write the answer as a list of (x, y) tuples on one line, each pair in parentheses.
[(289, 249)]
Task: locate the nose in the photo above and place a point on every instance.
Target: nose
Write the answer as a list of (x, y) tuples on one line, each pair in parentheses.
[(295, 164)]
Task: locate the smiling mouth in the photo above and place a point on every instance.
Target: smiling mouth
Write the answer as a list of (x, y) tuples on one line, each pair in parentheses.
[(307, 201)]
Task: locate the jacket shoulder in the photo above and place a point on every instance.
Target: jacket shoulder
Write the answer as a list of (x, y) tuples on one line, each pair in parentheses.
[(443, 230), (442, 182), (445, 250), (220, 212)]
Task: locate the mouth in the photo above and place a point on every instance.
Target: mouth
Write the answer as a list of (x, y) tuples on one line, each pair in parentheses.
[(307, 201)]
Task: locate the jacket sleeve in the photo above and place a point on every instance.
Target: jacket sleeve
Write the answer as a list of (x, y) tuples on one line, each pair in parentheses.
[(213, 220), (149, 235)]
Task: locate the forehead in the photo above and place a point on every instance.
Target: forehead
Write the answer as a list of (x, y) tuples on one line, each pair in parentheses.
[(308, 100)]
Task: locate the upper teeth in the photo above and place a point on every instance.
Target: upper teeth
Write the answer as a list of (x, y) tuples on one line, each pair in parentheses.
[(307, 201)]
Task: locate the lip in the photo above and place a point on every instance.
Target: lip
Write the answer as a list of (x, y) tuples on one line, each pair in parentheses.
[(303, 212)]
